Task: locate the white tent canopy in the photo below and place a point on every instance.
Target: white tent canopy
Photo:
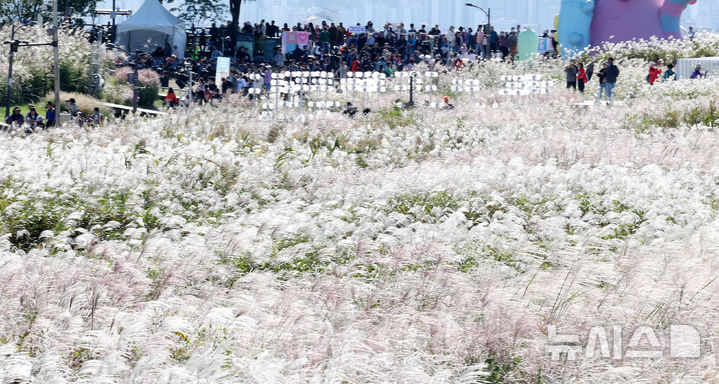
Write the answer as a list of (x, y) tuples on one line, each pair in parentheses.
[(150, 27)]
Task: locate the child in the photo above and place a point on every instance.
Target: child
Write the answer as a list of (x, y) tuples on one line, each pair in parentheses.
[(33, 119), (698, 73), (98, 119), (669, 73), (171, 98)]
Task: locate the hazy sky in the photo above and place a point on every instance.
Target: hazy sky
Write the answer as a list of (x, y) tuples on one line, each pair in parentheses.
[(538, 13)]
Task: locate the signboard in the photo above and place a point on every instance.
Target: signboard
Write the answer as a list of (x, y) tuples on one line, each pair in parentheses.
[(247, 41), (291, 40), (358, 29), (545, 45), (222, 70), (270, 45)]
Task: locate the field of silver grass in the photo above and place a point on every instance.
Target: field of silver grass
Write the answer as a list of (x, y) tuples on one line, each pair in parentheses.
[(419, 246)]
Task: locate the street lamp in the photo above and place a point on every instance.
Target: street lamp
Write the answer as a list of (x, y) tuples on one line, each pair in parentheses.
[(134, 74), (13, 48), (14, 45), (488, 12)]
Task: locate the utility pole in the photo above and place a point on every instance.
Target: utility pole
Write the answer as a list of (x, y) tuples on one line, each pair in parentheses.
[(134, 87), (489, 27), (112, 14), (13, 49), (56, 56), (488, 31), (130, 76)]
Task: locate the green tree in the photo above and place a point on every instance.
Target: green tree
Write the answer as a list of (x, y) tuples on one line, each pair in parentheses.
[(200, 12), (210, 9), (78, 7), (15, 10)]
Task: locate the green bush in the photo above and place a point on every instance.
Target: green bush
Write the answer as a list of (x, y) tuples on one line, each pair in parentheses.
[(147, 95)]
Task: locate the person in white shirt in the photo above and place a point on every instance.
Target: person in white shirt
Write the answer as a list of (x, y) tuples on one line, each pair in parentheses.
[(343, 70), (241, 83)]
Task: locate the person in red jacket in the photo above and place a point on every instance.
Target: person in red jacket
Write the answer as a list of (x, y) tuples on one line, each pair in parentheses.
[(581, 77), (355, 65), (654, 73), (171, 99)]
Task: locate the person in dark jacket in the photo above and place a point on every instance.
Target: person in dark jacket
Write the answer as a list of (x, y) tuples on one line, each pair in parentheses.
[(571, 71), (611, 77), (15, 118), (50, 115)]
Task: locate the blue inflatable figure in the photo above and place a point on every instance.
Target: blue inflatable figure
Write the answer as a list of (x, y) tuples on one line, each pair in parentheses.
[(575, 19)]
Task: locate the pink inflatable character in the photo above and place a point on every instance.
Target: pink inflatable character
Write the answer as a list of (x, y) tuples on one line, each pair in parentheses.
[(624, 20)]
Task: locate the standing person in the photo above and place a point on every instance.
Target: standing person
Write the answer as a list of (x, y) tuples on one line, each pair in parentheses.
[(513, 41), (654, 73), (480, 42), (571, 71), (581, 77), (493, 39), (325, 39), (612, 75), (697, 74), (602, 75), (203, 40), (268, 78), (669, 73), (504, 44), (49, 115), (171, 98)]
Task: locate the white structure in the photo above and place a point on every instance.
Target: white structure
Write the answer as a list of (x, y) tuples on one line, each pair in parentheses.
[(505, 13), (151, 27), (685, 67)]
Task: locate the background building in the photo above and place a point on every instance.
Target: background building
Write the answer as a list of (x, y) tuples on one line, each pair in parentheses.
[(505, 13)]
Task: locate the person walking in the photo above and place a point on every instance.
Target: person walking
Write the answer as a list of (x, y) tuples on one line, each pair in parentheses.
[(602, 75), (49, 115), (571, 71), (611, 78), (581, 77)]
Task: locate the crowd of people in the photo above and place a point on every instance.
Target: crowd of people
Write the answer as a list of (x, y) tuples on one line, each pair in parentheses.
[(656, 72), (33, 120), (331, 47), (578, 76)]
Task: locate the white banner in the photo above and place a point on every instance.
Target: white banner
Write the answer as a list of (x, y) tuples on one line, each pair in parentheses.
[(222, 70), (358, 29)]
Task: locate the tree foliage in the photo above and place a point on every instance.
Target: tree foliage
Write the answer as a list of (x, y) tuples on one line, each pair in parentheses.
[(200, 12), (203, 11), (16, 10)]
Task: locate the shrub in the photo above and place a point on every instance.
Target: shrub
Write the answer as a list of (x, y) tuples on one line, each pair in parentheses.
[(148, 81)]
